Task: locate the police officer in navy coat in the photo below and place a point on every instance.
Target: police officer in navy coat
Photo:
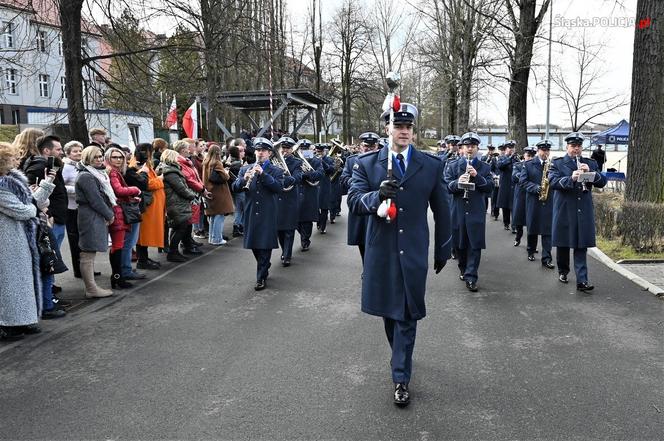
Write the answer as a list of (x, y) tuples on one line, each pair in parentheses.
[(397, 252), (519, 201), (308, 192), (573, 215), (504, 166), (324, 187), (357, 225), (262, 182), (288, 212), (538, 212), (469, 229)]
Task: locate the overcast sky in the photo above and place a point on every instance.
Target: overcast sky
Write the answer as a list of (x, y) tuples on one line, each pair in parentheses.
[(603, 22)]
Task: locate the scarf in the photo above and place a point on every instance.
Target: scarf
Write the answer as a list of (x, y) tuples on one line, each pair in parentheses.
[(104, 181)]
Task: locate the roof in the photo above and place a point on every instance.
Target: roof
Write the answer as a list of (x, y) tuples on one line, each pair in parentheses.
[(260, 99), (618, 134), (46, 12)]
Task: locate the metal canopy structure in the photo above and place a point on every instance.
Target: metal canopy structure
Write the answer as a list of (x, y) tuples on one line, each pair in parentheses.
[(259, 101)]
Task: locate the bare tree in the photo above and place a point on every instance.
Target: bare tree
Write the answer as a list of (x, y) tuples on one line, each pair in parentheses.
[(582, 98), (646, 145), (316, 25)]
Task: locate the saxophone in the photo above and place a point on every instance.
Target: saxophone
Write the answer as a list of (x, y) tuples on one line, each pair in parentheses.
[(544, 185)]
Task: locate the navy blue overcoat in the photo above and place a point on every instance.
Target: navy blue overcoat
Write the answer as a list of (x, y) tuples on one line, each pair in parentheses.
[(309, 193), (260, 206), (288, 212), (519, 200), (538, 213), (325, 186), (573, 213), (357, 225), (469, 215), (397, 253), (506, 189)]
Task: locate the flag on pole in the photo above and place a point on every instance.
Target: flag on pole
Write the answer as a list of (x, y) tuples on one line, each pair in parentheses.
[(190, 121), (172, 116)]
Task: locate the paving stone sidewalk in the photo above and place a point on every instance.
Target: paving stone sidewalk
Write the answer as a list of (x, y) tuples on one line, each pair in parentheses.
[(652, 272)]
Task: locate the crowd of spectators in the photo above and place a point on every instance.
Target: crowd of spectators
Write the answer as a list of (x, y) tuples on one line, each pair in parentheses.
[(106, 199)]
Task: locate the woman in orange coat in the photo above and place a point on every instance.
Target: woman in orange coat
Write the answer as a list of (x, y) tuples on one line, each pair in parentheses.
[(151, 233)]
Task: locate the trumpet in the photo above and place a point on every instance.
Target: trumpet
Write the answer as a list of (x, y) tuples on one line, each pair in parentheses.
[(467, 186), (306, 165), (278, 160)]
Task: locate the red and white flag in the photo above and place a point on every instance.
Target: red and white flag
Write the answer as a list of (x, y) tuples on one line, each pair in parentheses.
[(190, 121), (172, 117)]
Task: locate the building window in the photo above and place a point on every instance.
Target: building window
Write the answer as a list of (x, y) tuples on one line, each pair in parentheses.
[(10, 81), (41, 41), (63, 87), (8, 33), (60, 51), (16, 116), (43, 85), (133, 130)]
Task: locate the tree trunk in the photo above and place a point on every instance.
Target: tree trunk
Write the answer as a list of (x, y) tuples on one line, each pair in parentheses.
[(645, 156), (70, 26)]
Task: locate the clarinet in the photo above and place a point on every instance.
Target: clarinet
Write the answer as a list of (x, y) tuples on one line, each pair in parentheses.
[(578, 167)]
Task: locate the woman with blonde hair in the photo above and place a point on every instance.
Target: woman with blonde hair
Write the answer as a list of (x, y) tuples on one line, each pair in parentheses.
[(220, 201), (95, 199), (26, 143), (73, 151), (116, 162)]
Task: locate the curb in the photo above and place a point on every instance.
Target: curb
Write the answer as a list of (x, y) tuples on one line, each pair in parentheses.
[(606, 260)]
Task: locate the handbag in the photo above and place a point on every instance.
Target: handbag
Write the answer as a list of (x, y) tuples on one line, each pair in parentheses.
[(131, 212), (47, 256)]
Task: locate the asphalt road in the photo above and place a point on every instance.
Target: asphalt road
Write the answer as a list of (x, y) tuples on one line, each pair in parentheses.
[(198, 354)]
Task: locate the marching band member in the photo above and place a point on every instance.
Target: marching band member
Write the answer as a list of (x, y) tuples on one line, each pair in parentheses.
[(396, 258), (261, 182), (287, 201), (308, 191), (325, 187), (573, 217), (539, 202), (504, 166), (469, 229), (357, 225), (519, 200), (491, 159)]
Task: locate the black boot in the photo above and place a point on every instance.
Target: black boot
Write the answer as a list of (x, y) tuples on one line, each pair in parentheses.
[(117, 281), (236, 231)]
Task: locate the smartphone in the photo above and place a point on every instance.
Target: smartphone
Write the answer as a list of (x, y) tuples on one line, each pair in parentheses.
[(50, 161)]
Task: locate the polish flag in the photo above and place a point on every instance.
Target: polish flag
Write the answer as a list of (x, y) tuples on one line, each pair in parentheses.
[(172, 117), (190, 121)]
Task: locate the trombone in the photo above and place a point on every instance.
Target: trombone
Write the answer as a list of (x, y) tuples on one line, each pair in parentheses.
[(278, 160), (335, 153), (306, 165)]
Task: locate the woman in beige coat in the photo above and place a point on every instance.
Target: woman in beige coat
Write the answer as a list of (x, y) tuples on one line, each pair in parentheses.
[(220, 202)]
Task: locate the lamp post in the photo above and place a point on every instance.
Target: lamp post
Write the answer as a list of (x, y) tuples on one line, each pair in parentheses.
[(548, 80)]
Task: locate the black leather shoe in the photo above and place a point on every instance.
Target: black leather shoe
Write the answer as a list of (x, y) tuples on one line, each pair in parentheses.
[(31, 329), (135, 276), (513, 231), (562, 278), (321, 231), (548, 265), (517, 242), (507, 227), (472, 286), (531, 257), (401, 395), (61, 303), (260, 285), (192, 251), (584, 286), (332, 221), (305, 248), (196, 243), (10, 333), (461, 277), (176, 257), (53, 314), (148, 265), (285, 262)]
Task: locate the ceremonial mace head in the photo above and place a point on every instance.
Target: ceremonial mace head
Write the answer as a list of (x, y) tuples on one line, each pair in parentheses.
[(393, 80)]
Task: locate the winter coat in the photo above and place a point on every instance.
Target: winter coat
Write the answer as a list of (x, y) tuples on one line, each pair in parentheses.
[(308, 194), (396, 260), (573, 215), (325, 185), (287, 201), (123, 193), (504, 166), (178, 195), (519, 198), (357, 225), (538, 213), (220, 201), (194, 182), (151, 232), (69, 175), (34, 168), (94, 211), (20, 289)]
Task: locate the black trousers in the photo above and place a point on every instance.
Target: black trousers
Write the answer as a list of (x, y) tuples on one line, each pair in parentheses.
[(178, 234), (305, 228), (72, 238), (286, 239), (322, 219), (519, 232), (506, 216), (361, 248), (262, 263)]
